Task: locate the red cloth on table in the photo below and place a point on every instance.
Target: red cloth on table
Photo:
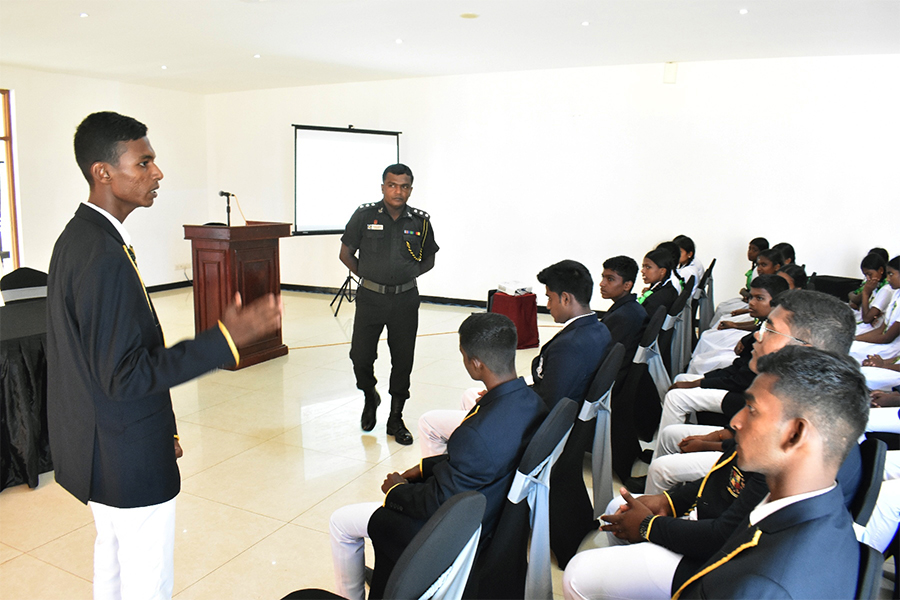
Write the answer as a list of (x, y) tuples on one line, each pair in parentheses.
[(523, 312)]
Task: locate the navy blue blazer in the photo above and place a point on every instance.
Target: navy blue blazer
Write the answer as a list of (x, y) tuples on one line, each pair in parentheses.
[(805, 550), (626, 320), (108, 371), (567, 363)]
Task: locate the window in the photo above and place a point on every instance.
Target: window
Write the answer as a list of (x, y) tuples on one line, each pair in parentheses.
[(9, 235)]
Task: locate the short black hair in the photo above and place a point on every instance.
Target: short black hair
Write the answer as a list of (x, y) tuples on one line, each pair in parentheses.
[(894, 263), (398, 169), (662, 258), (797, 273), (492, 339), (97, 139), (773, 255), (625, 266), (772, 284), (819, 319), (824, 388), (874, 262), (787, 251), (569, 276), (761, 243)]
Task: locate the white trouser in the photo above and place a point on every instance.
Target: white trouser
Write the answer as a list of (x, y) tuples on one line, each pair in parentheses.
[(436, 426), (134, 552), (683, 402), (349, 527), (630, 571), (860, 350), (881, 379), (882, 525), (886, 420), (724, 310), (670, 466)]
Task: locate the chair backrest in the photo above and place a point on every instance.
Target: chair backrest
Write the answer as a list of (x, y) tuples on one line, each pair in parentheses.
[(548, 435), (870, 564), (436, 547), (682, 299), (651, 332), (707, 274), (606, 374), (873, 452), (23, 283)]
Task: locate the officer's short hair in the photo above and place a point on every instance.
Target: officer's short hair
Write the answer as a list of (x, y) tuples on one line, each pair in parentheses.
[(625, 266), (492, 339), (398, 169), (824, 388), (569, 276), (97, 139), (819, 319)]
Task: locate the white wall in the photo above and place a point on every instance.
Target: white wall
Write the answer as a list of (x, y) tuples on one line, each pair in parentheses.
[(518, 169), (48, 108), (522, 169)]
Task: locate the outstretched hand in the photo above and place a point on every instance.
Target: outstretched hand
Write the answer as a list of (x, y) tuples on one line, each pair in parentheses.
[(250, 323)]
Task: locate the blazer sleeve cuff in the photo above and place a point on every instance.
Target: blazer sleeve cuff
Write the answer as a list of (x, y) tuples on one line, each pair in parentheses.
[(384, 503), (231, 344)]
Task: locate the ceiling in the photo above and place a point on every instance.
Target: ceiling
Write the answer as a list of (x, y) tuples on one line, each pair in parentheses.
[(209, 46)]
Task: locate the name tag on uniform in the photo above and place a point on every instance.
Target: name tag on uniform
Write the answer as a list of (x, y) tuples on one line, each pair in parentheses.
[(375, 226)]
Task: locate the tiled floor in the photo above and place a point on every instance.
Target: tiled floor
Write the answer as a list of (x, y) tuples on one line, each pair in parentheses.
[(270, 452)]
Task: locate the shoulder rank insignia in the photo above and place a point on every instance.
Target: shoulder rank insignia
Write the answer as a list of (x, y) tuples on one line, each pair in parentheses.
[(420, 213), (366, 205)]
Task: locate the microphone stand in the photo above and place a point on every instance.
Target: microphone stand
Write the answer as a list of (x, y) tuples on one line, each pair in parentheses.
[(346, 291), (228, 210)]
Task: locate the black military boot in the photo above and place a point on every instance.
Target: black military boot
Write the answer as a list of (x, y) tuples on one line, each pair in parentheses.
[(395, 426), (367, 421)]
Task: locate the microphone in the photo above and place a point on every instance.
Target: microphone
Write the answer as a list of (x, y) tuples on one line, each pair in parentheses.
[(225, 194)]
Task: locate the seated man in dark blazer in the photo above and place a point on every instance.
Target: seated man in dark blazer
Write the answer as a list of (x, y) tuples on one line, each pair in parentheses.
[(566, 364), (482, 455), (112, 429), (626, 318)]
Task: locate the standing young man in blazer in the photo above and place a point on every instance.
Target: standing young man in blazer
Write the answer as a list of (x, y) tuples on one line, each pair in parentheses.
[(112, 428)]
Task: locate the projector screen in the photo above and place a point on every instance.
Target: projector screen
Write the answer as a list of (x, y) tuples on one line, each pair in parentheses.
[(336, 170)]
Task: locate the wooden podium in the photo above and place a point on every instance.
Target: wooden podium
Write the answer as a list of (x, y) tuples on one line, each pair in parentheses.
[(228, 260)]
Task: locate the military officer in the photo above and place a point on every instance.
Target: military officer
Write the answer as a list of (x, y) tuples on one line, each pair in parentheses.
[(396, 244)]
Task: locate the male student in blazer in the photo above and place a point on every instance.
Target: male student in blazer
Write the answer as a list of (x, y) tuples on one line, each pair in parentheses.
[(112, 428)]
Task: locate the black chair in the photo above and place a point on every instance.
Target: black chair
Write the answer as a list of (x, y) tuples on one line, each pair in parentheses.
[(870, 563), (703, 305), (675, 337), (502, 566), (638, 408), (24, 283), (571, 513), (455, 526), (834, 285), (873, 452)]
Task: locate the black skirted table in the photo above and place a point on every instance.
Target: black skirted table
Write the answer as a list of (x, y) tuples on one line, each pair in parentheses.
[(24, 445)]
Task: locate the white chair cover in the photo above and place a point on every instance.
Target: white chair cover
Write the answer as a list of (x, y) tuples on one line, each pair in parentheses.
[(452, 582), (653, 359), (536, 487), (681, 341), (24, 293), (601, 452)]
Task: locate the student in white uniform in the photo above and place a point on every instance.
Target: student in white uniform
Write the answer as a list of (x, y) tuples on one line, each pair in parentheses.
[(884, 341)]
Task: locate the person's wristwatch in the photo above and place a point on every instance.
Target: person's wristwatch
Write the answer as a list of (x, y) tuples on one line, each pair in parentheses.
[(644, 531)]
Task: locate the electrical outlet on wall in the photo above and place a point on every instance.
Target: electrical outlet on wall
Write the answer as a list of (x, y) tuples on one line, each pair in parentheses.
[(183, 267)]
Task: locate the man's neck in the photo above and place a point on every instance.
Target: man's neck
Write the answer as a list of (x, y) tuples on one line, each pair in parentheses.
[(110, 205), (785, 485), (394, 213), (492, 380)]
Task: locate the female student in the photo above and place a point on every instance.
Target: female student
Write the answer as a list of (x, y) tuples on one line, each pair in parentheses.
[(755, 246), (883, 340), (795, 275), (688, 264), (875, 294), (656, 270)]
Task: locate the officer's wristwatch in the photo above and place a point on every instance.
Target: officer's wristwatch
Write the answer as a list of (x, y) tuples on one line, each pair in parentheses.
[(645, 528)]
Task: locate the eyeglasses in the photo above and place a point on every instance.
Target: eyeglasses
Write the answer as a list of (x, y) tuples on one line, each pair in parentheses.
[(765, 329)]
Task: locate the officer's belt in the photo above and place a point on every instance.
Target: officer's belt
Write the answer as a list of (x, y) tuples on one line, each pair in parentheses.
[(387, 289)]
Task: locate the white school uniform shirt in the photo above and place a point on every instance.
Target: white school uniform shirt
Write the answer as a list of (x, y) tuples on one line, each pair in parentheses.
[(692, 269)]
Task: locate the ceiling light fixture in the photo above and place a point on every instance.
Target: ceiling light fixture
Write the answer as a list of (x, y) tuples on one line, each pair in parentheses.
[(468, 16), (398, 41), (585, 23), (256, 56), (164, 67), (84, 15), (743, 11)]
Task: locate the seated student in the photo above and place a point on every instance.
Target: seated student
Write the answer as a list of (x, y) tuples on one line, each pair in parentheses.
[(804, 414), (685, 452), (674, 277), (881, 374), (716, 506), (566, 364), (787, 253), (768, 262), (855, 296), (688, 264), (717, 347), (875, 294), (626, 318), (755, 246), (795, 275), (884, 340), (656, 270), (482, 455)]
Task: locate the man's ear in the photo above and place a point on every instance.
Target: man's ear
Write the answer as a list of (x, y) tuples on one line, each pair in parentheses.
[(628, 285), (796, 434), (100, 172), (565, 298)]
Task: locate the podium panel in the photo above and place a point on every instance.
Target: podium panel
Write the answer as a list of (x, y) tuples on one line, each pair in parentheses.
[(227, 260)]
